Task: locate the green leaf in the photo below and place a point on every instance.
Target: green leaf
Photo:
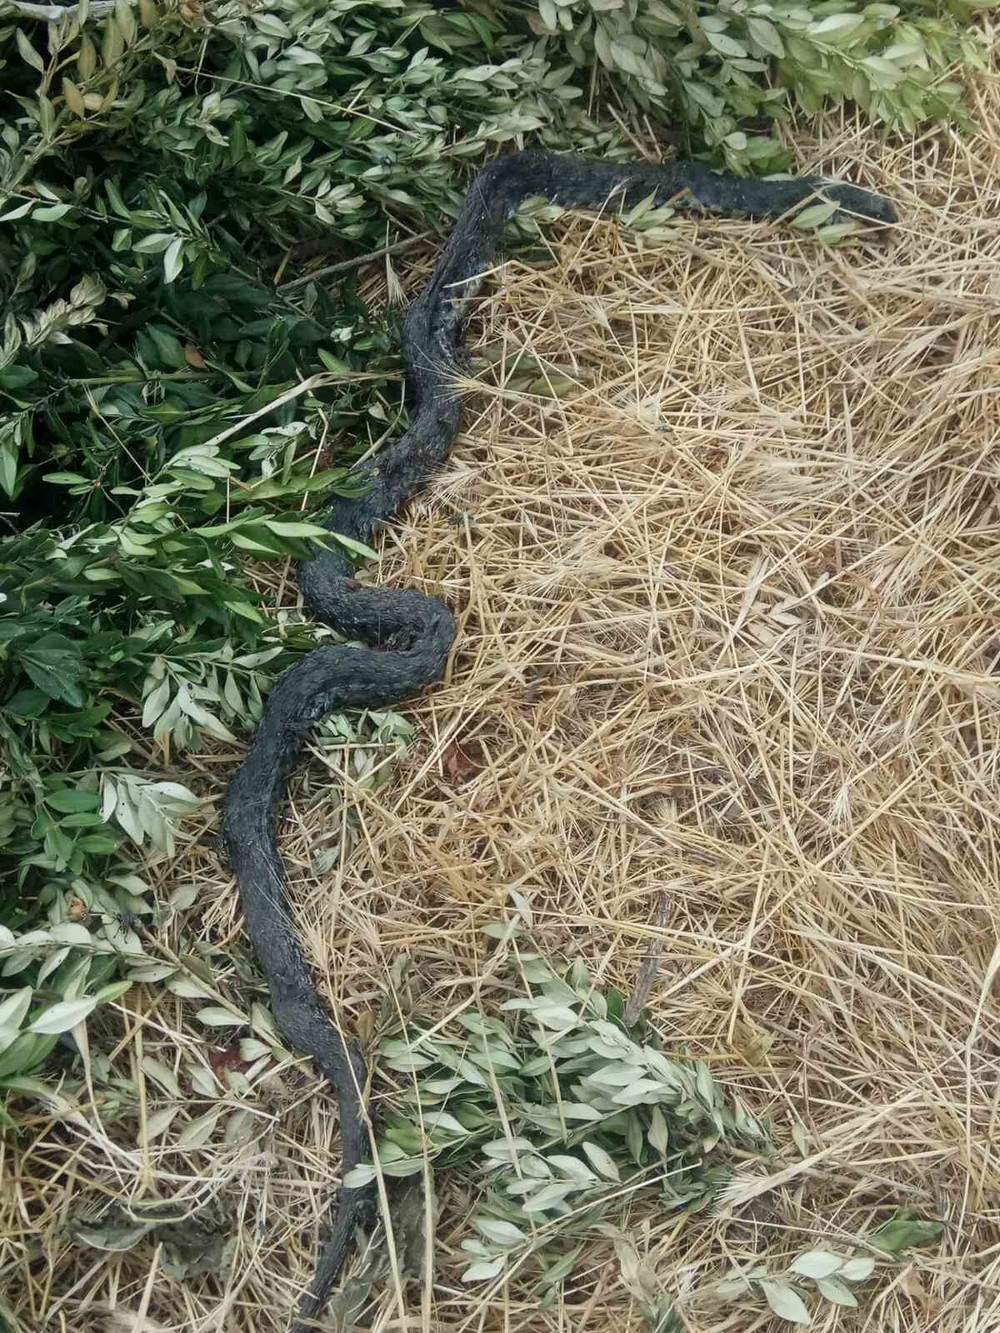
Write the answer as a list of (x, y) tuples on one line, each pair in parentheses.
[(499, 1231), (14, 1007), (28, 52), (114, 991), (786, 1302), (903, 1231), (835, 27), (334, 364), (575, 1110), (16, 377), (83, 819), (814, 216), (46, 116), (766, 35), (22, 211), (199, 1131), (659, 1134), (272, 25), (602, 1161), (173, 259), (165, 346), (359, 1176), (503, 930), (51, 212), (102, 844), (549, 1196), (726, 45), (836, 1292), (220, 1018), (251, 1049), (70, 800), (856, 1270), (53, 664), (64, 1016), (23, 1055), (293, 528), (731, 1288), (561, 1270), (837, 232), (816, 1263), (65, 479), (355, 547), (485, 1270)]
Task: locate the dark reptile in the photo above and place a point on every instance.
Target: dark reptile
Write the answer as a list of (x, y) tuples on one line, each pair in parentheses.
[(409, 635)]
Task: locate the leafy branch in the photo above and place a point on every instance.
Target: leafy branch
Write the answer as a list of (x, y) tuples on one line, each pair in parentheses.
[(95, 9)]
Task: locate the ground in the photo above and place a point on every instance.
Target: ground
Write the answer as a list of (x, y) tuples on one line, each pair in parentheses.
[(722, 534)]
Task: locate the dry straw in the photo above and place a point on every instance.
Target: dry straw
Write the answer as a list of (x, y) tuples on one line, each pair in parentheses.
[(729, 633)]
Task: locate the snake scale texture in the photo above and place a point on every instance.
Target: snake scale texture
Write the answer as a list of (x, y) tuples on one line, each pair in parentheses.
[(408, 635)]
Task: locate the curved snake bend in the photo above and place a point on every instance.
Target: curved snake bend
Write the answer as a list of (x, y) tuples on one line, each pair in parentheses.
[(410, 635)]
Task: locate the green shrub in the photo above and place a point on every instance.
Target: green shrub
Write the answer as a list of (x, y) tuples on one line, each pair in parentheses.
[(722, 69)]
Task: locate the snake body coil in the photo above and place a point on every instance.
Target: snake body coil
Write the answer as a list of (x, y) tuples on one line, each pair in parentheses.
[(410, 635)]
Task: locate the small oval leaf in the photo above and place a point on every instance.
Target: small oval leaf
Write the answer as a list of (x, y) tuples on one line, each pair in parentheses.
[(65, 1015), (786, 1302), (816, 1263)]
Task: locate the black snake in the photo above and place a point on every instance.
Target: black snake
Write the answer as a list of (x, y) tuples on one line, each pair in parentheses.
[(410, 635)]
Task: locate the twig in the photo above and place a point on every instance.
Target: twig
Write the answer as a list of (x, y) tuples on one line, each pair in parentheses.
[(358, 261), (98, 9)]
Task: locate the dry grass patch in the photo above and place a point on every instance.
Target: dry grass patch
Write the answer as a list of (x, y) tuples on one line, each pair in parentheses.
[(729, 634)]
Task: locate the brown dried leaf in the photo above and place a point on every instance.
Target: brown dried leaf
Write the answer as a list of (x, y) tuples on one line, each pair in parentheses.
[(464, 761)]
